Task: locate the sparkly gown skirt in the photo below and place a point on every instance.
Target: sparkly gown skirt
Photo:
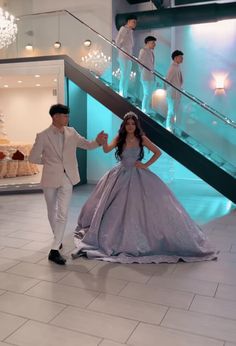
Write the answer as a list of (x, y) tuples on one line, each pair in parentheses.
[(133, 217)]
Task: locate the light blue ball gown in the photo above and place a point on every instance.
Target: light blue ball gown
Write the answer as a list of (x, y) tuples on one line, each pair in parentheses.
[(133, 217)]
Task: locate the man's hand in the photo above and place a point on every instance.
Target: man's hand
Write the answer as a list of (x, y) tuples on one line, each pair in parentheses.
[(101, 138)]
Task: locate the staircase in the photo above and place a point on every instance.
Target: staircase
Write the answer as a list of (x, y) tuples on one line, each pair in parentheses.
[(206, 145)]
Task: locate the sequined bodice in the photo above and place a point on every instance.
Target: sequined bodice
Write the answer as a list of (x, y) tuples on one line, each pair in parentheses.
[(129, 156)]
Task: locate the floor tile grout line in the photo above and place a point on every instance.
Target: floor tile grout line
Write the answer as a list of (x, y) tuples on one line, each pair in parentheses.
[(190, 304), (78, 331), (216, 290), (12, 333)]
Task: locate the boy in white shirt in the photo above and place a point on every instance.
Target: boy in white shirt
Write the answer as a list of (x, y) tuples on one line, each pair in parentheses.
[(147, 58), (125, 41), (174, 76)]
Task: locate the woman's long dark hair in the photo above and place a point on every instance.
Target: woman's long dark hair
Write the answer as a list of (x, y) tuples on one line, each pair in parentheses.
[(121, 138)]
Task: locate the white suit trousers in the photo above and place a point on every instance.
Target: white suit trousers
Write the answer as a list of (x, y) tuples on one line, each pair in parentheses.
[(58, 201), (148, 88), (125, 69), (173, 114)]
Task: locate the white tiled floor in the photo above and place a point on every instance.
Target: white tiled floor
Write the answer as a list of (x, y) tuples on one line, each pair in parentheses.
[(90, 303)]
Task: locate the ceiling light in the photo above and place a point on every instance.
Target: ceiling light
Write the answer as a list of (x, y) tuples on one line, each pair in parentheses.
[(87, 43), (8, 28), (5, 85), (57, 45), (19, 81), (37, 85), (29, 46), (37, 75)]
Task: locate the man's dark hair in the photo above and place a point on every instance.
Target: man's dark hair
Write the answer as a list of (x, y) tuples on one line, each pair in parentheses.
[(149, 38), (58, 108), (176, 53), (130, 17)]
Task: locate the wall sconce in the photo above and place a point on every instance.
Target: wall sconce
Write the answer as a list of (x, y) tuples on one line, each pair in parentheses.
[(29, 46), (220, 82), (57, 44), (87, 43)]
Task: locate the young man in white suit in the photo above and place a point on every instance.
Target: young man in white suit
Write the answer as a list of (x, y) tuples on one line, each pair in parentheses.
[(147, 58), (55, 149), (125, 41), (174, 76)]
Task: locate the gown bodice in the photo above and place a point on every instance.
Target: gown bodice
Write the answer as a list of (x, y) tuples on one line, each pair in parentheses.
[(130, 156)]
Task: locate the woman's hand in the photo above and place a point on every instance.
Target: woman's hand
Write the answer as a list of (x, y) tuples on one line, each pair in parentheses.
[(101, 138), (140, 165)]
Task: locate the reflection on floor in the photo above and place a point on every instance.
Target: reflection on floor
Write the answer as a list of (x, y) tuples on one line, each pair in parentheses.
[(200, 199), (202, 202), (95, 303)]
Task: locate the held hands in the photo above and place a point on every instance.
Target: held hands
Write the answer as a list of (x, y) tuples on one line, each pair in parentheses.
[(101, 138), (141, 165)]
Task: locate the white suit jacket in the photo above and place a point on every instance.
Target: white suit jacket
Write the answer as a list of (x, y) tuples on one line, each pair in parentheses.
[(174, 76), (45, 151), (146, 57), (125, 41)]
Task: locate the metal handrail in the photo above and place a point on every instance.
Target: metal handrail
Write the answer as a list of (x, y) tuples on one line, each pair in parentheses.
[(193, 98)]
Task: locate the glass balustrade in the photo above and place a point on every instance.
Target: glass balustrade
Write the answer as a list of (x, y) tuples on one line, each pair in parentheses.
[(191, 120)]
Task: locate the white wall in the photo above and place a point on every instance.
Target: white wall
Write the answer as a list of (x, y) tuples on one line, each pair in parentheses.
[(96, 13), (26, 112), (26, 109), (43, 31)]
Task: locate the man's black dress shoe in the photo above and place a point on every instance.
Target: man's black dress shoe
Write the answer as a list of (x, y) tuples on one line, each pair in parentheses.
[(55, 256), (60, 247)]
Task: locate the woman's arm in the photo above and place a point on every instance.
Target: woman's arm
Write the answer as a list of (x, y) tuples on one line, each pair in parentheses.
[(156, 153), (109, 147)]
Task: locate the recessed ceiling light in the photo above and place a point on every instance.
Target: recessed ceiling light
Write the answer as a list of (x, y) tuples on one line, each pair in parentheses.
[(37, 85), (57, 44), (87, 43), (19, 81), (55, 80), (5, 85), (37, 75), (29, 46)]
